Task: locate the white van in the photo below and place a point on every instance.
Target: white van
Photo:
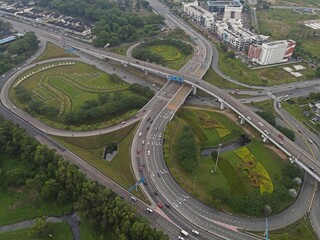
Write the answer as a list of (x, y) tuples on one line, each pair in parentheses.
[(184, 233)]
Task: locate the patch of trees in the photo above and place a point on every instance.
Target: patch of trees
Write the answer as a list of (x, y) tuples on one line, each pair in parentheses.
[(113, 24), (270, 118), (143, 53), (186, 153), (255, 204), (106, 106), (141, 90), (50, 178), (41, 108), (23, 94), (22, 48)]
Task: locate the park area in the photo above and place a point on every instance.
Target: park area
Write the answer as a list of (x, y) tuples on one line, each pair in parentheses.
[(168, 52), (74, 94), (247, 171)]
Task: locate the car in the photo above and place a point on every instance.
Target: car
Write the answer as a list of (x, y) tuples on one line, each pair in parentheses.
[(140, 134), (167, 205), (138, 151), (160, 205), (145, 183), (195, 232), (151, 121), (148, 128), (113, 69), (124, 122), (124, 77), (261, 124), (133, 199), (180, 238), (266, 132), (249, 118), (120, 196), (148, 119), (158, 174), (312, 169), (197, 81), (149, 210), (155, 193), (142, 142), (149, 153), (3, 75)]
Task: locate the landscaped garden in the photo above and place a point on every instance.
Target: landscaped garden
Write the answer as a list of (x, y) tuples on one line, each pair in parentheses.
[(250, 177), (167, 52), (77, 96)]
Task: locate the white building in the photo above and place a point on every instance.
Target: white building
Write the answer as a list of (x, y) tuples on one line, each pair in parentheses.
[(199, 14), (272, 52), (232, 11), (232, 32)]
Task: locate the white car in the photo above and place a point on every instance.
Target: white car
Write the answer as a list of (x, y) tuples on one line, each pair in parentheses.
[(261, 124), (149, 153), (142, 142), (149, 210), (181, 238), (195, 232), (133, 199)]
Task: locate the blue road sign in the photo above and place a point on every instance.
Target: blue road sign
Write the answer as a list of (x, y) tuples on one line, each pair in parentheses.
[(175, 78), (136, 184)]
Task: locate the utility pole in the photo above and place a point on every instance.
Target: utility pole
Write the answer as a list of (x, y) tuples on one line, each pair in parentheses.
[(215, 168)]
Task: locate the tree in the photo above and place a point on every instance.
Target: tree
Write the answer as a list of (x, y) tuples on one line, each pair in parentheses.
[(317, 74), (50, 190), (40, 229)]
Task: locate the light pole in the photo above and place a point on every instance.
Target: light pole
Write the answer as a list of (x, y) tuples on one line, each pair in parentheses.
[(215, 168)]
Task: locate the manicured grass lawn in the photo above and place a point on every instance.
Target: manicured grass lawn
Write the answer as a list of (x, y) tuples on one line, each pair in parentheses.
[(58, 231), (210, 137), (266, 105), (200, 182), (122, 50), (218, 81), (172, 56), (88, 233), (53, 51), (17, 206), (90, 149), (298, 231), (68, 87)]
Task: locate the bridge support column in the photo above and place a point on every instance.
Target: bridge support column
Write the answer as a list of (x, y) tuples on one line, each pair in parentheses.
[(194, 90), (222, 105), (242, 120), (145, 72)]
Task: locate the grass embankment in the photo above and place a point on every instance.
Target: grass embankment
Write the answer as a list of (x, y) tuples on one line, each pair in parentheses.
[(90, 149), (58, 231), (203, 179), (297, 231), (53, 51)]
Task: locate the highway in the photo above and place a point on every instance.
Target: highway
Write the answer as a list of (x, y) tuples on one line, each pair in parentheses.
[(193, 79)]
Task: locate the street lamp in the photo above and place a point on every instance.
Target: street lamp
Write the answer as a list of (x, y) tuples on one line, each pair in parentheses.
[(215, 168)]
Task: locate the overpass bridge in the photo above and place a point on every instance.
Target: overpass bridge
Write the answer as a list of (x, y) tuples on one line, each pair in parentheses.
[(294, 152)]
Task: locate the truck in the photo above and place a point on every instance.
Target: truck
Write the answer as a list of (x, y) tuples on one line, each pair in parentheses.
[(184, 233)]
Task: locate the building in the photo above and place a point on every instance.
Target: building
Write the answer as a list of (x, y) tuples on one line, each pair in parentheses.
[(271, 52), (232, 11), (199, 14), (232, 32), (219, 5)]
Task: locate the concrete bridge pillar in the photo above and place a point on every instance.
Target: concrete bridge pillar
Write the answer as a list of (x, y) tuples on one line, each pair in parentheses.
[(242, 120), (194, 90), (222, 104), (145, 72)]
